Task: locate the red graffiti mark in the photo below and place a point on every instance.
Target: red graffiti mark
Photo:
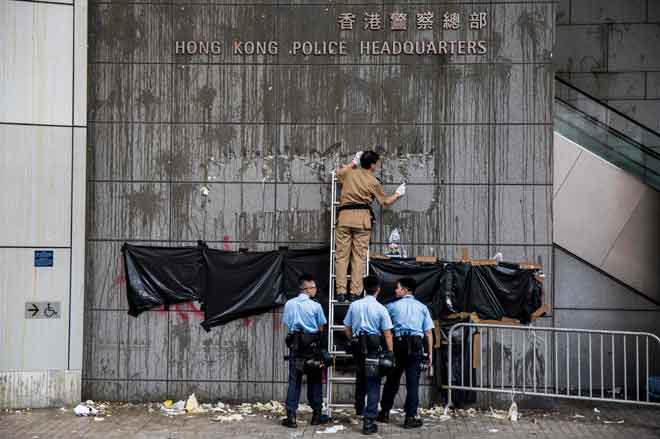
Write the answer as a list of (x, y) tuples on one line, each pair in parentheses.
[(227, 244), (185, 311), (120, 277), (277, 322), (247, 322)]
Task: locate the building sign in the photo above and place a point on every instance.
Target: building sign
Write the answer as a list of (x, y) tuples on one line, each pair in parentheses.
[(43, 258), (374, 23), (42, 310)]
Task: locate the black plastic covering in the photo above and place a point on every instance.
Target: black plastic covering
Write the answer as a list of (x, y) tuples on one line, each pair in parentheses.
[(241, 284), (496, 291), (389, 271), (233, 285), (162, 276)]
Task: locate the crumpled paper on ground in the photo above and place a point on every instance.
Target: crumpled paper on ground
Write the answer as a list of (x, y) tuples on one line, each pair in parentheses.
[(331, 430), (512, 414), (437, 413), (86, 409), (228, 418)]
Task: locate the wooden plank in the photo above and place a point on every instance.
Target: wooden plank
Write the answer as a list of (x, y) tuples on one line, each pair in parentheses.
[(439, 338), (541, 311), (379, 257), (478, 262), (427, 259), (476, 350), (466, 255), (530, 266)]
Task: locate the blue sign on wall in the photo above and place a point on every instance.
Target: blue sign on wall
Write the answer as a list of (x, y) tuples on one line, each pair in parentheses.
[(43, 258)]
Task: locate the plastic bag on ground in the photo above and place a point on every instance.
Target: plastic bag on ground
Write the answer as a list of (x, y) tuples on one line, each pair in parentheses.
[(83, 409)]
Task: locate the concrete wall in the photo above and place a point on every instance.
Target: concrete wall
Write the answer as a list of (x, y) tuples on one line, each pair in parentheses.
[(471, 135), (609, 48), (42, 193), (623, 238)]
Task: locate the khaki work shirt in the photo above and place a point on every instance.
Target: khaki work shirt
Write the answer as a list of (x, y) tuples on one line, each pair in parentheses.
[(358, 186)]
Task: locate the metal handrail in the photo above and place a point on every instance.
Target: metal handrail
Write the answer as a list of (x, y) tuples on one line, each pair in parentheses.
[(508, 349), (609, 108)]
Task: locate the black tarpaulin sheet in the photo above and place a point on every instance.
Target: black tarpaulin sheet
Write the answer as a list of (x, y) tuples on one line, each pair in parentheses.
[(389, 271), (161, 276), (233, 285), (504, 290), (241, 284), (314, 261), (451, 295)]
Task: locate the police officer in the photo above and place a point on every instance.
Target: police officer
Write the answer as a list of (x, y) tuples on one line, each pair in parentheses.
[(359, 187), (412, 327), (365, 323), (304, 320)]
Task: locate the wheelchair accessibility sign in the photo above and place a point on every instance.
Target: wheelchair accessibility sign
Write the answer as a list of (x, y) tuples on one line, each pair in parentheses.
[(42, 310)]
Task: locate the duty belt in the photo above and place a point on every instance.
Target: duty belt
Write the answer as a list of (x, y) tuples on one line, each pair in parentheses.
[(358, 206), (409, 344)]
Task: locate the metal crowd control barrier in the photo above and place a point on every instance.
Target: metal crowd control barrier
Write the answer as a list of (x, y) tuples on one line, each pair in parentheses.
[(584, 364)]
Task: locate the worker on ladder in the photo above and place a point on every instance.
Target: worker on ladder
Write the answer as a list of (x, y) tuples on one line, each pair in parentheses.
[(359, 187), (304, 320), (412, 334), (367, 324)]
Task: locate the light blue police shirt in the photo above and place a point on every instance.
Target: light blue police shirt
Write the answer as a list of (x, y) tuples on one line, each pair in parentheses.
[(367, 315), (303, 314), (409, 316)]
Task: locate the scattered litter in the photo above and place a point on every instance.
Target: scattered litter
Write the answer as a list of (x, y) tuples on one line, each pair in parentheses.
[(228, 418), (513, 414), (178, 408), (578, 416), (63, 409), (497, 414), (437, 413), (276, 408), (83, 409), (168, 404), (191, 404), (98, 419), (596, 410), (621, 421), (330, 430), (493, 430)]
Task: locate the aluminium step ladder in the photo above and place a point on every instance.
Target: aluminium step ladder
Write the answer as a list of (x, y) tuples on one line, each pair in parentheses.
[(331, 379)]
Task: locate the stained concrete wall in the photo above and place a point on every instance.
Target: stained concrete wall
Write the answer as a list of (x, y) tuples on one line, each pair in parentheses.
[(471, 135), (609, 48), (43, 118)]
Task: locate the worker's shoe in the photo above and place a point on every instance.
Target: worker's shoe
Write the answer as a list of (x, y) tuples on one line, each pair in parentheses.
[(383, 417), (290, 420), (318, 418), (341, 297), (369, 426), (353, 297), (412, 422)]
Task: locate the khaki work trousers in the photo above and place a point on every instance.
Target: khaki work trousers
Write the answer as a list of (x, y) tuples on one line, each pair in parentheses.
[(351, 243)]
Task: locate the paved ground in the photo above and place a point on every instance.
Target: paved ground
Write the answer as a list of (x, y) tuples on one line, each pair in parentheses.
[(138, 422)]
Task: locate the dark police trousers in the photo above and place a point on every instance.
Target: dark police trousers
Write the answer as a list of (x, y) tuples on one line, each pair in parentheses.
[(408, 361), (365, 385), (303, 346)]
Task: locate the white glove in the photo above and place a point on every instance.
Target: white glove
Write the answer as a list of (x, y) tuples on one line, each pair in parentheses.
[(356, 159), (401, 190)]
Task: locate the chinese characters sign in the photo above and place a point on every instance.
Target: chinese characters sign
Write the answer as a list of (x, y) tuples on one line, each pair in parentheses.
[(373, 24), (423, 21)]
